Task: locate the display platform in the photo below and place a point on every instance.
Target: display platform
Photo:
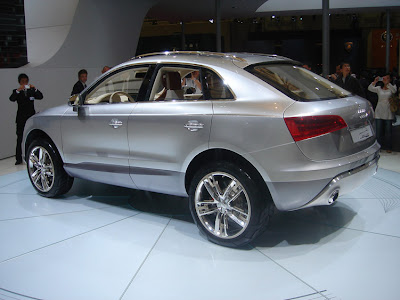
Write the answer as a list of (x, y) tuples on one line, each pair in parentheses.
[(105, 242)]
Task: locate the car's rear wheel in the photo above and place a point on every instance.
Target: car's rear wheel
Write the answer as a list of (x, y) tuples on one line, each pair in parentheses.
[(45, 169), (227, 205)]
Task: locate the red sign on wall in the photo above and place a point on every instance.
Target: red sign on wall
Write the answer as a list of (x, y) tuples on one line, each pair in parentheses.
[(378, 48)]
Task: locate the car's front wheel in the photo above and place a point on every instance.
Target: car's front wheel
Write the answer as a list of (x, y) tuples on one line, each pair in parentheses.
[(227, 205), (45, 169)]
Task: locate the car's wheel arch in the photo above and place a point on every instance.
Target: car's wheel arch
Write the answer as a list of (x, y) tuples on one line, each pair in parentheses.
[(39, 134), (217, 154)]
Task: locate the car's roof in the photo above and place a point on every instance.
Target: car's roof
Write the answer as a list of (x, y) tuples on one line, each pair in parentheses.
[(203, 57)]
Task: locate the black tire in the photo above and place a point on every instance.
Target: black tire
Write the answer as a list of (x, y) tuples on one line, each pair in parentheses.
[(47, 173), (242, 216)]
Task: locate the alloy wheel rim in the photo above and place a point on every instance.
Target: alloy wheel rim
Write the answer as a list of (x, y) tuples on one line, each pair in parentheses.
[(222, 205), (41, 169)]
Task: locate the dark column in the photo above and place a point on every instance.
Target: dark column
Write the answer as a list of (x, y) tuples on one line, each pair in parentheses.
[(387, 40), (183, 40), (218, 23), (325, 37)]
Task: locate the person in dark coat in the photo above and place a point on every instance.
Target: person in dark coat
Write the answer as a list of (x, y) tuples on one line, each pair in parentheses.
[(80, 85), (24, 95), (348, 82)]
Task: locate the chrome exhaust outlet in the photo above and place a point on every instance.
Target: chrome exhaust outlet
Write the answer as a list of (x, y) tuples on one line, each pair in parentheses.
[(334, 195)]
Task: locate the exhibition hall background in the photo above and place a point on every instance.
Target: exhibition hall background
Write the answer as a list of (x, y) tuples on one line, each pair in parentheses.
[(63, 37)]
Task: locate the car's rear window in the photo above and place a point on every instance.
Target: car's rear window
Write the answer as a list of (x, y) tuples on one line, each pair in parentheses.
[(297, 82)]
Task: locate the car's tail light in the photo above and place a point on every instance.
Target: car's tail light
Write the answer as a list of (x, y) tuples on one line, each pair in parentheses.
[(302, 128)]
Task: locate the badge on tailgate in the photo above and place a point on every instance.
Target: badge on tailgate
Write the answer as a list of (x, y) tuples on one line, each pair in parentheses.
[(361, 134)]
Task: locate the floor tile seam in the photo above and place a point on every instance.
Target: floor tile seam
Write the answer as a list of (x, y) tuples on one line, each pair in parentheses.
[(380, 196), (354, 229), (13, 166), (22, 194), (8, 297), (63, 213), (383, 168), (363, 198), (70, 200), (69, 238), (8, 157), (306, 297), (144, 260), (3, 186), (388, 182), (292, 274), (8, 171), (16, 169), (18, 294)]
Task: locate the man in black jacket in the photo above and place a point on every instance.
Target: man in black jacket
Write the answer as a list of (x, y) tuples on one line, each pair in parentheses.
[(25, 96), (80, 85), (348, 82)]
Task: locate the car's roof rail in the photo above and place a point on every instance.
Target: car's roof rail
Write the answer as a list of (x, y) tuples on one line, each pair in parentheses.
[(203, 53)]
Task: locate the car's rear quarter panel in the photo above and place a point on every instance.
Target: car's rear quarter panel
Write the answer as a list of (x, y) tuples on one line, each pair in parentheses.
[(253, 126)]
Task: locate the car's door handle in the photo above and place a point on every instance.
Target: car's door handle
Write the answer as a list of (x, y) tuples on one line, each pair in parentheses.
[(194, 125), (115, 123)]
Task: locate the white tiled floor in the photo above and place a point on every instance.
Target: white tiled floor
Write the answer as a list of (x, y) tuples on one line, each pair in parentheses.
[(105, 242)]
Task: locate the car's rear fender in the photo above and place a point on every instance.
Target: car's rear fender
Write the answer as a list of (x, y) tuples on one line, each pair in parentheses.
[(218, 154)]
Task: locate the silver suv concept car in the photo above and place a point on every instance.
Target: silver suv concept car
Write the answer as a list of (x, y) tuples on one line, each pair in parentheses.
[(239, 134)]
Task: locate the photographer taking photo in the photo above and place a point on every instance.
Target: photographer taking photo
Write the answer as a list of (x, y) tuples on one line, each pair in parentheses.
[(25, 95), (383, 115)]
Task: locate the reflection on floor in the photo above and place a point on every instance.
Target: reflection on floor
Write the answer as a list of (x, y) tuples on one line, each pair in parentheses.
[(105, 242)]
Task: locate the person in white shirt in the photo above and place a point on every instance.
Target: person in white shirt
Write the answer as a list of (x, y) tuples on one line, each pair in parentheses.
[(193, 83), (383, 115)]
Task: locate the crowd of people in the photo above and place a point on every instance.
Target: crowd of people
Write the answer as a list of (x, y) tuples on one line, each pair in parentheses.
[(380, 91)]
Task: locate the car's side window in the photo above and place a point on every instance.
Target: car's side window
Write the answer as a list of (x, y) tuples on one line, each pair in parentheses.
[(177, 83), (121, 87), (215, 86)]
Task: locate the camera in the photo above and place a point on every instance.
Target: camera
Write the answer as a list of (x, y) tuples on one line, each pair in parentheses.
[(190, 90), (27, 87)]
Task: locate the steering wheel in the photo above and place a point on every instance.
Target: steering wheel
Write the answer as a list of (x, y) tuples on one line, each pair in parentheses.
[(121, 93)]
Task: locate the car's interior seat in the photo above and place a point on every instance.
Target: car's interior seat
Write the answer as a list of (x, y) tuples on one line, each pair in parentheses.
[(172, 87)]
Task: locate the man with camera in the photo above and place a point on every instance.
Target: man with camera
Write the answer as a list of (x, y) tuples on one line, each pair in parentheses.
[(25, 95)]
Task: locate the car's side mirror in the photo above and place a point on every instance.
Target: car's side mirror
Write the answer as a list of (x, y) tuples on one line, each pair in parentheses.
[(74, 102), (74, 99)]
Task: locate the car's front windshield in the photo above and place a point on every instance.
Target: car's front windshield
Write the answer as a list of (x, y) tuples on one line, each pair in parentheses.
[(297, 82)]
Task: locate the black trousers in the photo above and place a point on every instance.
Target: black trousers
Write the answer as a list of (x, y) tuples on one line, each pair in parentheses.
[(20, 131), (384, 133)]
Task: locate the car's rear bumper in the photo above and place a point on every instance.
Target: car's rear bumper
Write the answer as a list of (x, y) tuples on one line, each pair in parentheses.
[(312, 188), (344, 183)]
